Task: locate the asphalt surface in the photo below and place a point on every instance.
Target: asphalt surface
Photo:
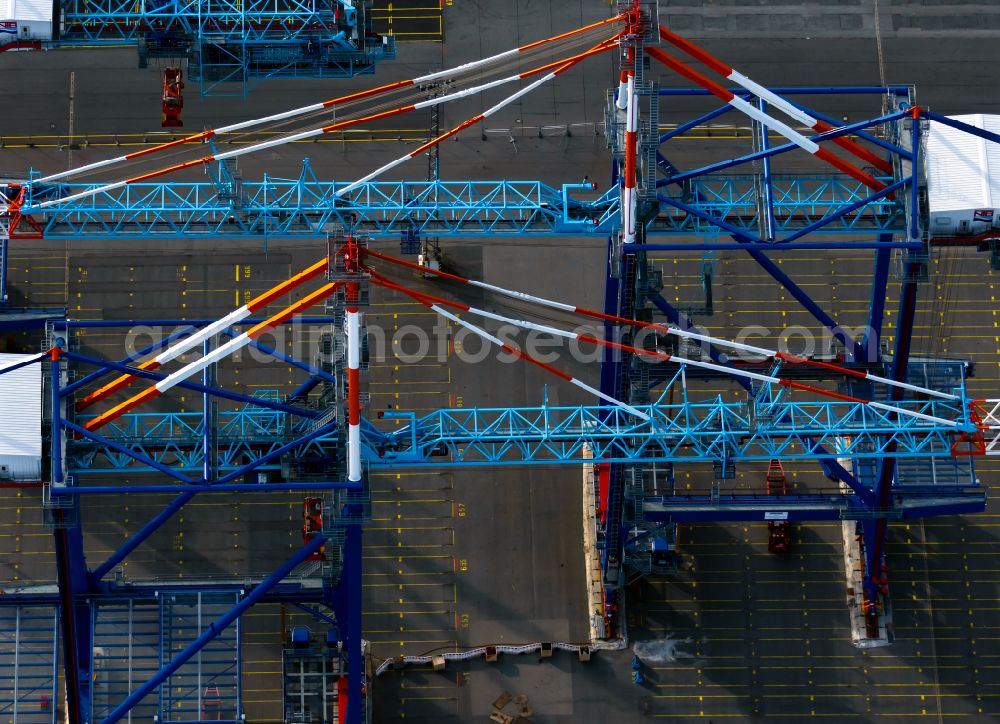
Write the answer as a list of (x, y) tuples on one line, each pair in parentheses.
[(458, 558)]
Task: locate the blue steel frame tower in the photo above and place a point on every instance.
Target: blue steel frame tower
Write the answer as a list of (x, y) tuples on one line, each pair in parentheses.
[(632, 288)]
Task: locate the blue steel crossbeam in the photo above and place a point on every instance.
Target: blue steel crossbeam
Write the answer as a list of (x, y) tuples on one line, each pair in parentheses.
[(707, 431), (304, 206), (168, 438)]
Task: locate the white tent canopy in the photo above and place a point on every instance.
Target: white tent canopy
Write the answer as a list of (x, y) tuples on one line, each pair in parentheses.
[(21, 421)]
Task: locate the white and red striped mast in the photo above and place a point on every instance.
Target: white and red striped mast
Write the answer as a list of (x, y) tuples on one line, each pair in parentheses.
[(352, 333), (628, 201)]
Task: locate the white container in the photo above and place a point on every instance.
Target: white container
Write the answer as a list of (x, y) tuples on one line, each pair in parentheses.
[(25, 20), (963, 178), (21, 423)]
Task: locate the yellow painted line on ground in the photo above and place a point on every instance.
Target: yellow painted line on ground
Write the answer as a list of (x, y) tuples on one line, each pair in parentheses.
[(401, 559), (400, 501)]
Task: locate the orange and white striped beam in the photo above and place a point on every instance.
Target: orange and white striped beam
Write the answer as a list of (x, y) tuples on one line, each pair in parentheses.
[(560, 67), (339, 126), (195, 340), (314, 107), (773, 124), (774, 99), (212, 357)]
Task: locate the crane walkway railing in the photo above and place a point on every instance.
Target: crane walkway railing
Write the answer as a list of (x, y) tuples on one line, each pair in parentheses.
[(709, 431), (702, 431), (305, 206)]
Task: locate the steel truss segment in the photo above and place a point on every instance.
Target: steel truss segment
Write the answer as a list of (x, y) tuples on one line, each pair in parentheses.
[(988, 412), (691, 432), (798, 203), (304, 206), (704, 431), (110, 21), (176, 439), (814, 507)]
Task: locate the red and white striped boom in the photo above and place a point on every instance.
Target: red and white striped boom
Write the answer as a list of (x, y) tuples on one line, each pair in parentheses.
[(773, 124), (774, 99), (207, 332), (751, 349), (323, 105), (214, 356)]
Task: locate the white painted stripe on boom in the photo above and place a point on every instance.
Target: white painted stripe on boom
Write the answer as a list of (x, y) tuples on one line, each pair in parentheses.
[(609, 398), (912, 388), (377, 172), (78, 169), (268, 119), (216, 327), (268, 144), (199, 364), (523, 296), (466, 92), (524, 91), (773, 98), (82, 195), (466, 66), (912, 413), (525, 324), (775, 125), (471, 327)]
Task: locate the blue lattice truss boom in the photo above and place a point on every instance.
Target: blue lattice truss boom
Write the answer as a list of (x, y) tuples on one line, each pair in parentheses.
[(302, 207)]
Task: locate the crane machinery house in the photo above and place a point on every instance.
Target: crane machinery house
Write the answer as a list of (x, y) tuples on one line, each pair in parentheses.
[(25, 20), (963, 192)]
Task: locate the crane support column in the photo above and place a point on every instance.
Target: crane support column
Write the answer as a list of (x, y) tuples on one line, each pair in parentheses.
[(352, 507), (875, 533), (71, 568)]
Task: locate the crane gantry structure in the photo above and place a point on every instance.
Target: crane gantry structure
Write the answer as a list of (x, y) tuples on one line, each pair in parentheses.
[(230, 46), (857, 414)]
